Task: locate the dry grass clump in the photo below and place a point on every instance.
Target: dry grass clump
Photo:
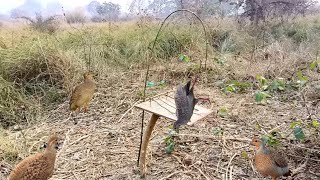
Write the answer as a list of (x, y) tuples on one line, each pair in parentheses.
[(14, 106), (43, 24), (8, 152), (39, 65), (37, 74)]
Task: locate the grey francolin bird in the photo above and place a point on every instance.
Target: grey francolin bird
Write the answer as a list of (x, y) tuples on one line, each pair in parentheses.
[(39, 166), (185, 102), (268, 162), (83, 93)]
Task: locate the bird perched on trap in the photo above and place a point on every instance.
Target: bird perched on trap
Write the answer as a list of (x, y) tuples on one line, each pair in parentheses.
[(39, 166), (168, 105), (269, 163), (83, 93), (185, 102)]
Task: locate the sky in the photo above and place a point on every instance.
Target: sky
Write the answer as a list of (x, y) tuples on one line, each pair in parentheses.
[(6, 6)]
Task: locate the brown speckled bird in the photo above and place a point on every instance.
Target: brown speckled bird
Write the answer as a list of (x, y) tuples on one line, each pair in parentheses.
[(39, 166), (269, 163), (83, 93)]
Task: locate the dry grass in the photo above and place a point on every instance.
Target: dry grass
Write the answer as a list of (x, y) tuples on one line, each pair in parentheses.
[(102, 147), (104, 143)]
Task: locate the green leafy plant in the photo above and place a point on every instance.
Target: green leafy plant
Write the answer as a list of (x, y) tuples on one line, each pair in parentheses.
[(223, 112), (261, 97), (236, 86), (262, 94), (162, 83), (302, 80), (278, 85), (229, 88), (169, 141), (297, 130), (315, 123), (314, 64), (298, 133), (244, 155), (184, 58), (271, 139), (263, 83), (217, 131)]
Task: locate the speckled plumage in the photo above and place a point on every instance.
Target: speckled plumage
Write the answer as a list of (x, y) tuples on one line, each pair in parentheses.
[(269, 163), (185, 102), (39, 166), (83, 93)]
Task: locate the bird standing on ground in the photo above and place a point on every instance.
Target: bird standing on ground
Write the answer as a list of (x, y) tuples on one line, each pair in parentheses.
[(39, 166), (83, 93), (185, 103), (269, 163)]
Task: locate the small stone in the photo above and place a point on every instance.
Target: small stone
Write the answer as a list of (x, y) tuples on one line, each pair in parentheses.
[(16, 128), (187, 160)]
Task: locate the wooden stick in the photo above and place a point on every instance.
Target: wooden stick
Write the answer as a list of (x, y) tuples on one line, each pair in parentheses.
[(145, 142)]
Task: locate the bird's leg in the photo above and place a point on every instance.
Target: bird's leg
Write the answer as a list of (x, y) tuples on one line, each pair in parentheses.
[(194, 81)]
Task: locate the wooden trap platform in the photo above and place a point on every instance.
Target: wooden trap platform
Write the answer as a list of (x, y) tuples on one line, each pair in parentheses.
[(162, 105), (165, 106)]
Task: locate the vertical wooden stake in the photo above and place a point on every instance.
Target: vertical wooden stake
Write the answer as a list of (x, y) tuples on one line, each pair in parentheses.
[(145, 142)]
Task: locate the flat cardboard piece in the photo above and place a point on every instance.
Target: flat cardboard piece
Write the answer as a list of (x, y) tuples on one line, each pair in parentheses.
[(165, 106)]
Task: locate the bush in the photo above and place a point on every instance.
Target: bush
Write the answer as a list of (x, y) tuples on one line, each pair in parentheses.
[(76, 16), (49, 25), (13, 104), (40, 74), (8, 152), (221, 41)]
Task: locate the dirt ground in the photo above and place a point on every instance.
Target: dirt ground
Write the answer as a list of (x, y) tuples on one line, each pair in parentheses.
[(104, 142)]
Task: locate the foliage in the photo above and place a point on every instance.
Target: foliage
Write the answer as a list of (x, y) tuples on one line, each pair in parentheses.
[(75, 16), (162, 8), (235, 87), (223, 112), (92, 8), (218, 131), (278, 85), (300, 126), (169, 142), (108, 11), (271, 139), (49, 24), (261, 97), (261, 11), (297, 130), (262, 94), (314, 64), (302, 79), (184, 58)]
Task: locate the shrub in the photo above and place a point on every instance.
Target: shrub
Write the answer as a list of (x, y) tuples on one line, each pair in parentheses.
[(8, 152), (75, 16), (13, 104), (41, 24), (28, 74)]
